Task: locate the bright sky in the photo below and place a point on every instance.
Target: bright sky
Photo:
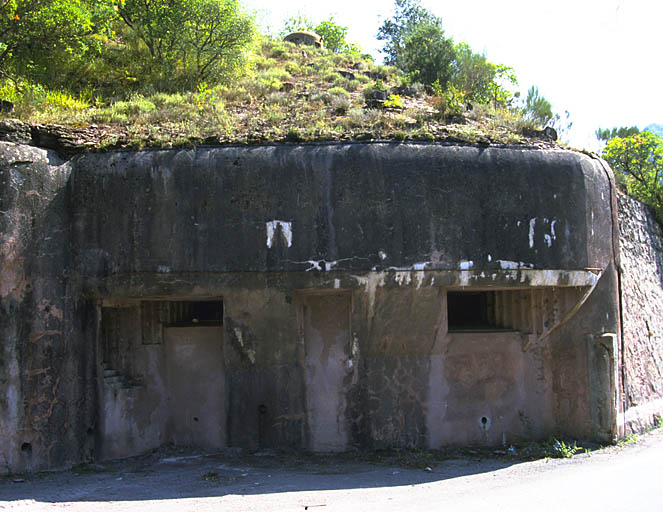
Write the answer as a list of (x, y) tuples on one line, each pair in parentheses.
[(598, 59)]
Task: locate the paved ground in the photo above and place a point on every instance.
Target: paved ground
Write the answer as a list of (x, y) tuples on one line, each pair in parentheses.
[(628, 478)]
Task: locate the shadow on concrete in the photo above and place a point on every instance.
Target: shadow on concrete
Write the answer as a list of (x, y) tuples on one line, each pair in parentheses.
[(168, 476)]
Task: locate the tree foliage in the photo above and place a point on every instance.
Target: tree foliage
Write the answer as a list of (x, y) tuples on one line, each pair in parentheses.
[(605, 134), (537, 108), (296, 23), (38, 36), (482, 81), (188, 42), (415, 42), (409, 14), (638, 164), (79, 44), (334, 36), (426, 55)]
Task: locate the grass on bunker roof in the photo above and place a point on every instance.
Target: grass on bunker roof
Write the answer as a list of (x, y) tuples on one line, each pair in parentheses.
[(290, 94)]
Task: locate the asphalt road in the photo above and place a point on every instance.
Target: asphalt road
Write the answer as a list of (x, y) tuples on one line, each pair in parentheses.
[(627, 478)]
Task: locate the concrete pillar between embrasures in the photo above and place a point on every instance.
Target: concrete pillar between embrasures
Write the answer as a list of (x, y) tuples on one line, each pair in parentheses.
[(327, 338), (602, 371)]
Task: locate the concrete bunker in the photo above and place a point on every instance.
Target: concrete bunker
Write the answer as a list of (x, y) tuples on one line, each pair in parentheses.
[(305, 38), (324, 297)]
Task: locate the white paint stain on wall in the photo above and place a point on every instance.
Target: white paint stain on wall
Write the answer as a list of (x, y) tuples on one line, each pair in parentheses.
[(403, 278), (547, 237), (250, 353), (532, 224), (414, 266), (370, 284), (466, 264), (286, 232), (464, 278), (513, 265), (321, 265)]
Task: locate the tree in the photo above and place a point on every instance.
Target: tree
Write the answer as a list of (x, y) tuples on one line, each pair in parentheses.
[(426, 55), (638, 164), (480, 80), (333, 35), (537, 109), (605, 134), (189, 41), (41, 39), (393, 31), (298, 22), (415, 43)]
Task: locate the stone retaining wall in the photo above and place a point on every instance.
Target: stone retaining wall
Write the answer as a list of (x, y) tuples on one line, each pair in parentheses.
[(641, 245)]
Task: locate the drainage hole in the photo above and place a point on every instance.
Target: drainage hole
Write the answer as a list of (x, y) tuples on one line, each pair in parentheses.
[(484, 420), (195, 418), (26, 447)]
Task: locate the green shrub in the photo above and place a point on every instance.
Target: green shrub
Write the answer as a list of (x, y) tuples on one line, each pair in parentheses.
[(449, 101), (293, 68), (340, 104), (562, 450), (348, 84), (394, 101), (332, 77), (261, 63), (279, 74), (338, 91), (277, 98)]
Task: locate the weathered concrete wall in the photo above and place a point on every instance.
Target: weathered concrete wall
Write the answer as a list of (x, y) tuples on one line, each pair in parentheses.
[(196, 387), (132, 385), (341, 207), (328, 344), (641, 243), (47, 402), (334, 264)]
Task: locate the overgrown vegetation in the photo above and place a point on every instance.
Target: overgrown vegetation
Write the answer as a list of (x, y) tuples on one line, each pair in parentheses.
[(637, 160), (114, 48), (415, 42), (179, 72)]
